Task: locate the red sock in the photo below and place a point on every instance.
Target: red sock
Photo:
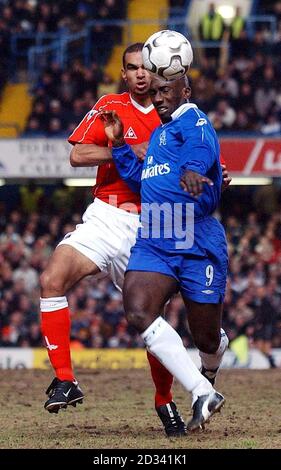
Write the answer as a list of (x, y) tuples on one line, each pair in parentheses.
[(55, 326), (162, 379)]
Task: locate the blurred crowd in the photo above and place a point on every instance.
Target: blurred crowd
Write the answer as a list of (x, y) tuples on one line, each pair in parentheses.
[(51, 16), (28, 236), (18, 16), (62, 98), (239, 91), (244, 96)]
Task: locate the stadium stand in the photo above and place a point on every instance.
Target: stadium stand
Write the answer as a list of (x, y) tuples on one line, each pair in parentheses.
[(242, 95)]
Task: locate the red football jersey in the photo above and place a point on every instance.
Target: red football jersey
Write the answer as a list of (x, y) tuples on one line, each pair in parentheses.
[(139, 122)]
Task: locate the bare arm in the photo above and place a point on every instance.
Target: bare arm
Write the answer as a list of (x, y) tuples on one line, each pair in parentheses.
[(94, 155), (89, 155)]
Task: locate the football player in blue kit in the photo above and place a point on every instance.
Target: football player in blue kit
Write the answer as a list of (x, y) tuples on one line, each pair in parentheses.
[(180, 246)]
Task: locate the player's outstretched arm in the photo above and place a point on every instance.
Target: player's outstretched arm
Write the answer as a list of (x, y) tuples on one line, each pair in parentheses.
[(89, 155), (193, 182), (95, 155)]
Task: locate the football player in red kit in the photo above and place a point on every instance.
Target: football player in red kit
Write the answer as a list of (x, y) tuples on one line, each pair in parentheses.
[(103, 241)]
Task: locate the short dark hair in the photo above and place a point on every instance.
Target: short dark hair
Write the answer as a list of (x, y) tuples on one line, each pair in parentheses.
[(136, 47)]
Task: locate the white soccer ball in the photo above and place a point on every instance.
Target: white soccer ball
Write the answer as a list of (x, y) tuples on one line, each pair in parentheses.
[(167, 54)]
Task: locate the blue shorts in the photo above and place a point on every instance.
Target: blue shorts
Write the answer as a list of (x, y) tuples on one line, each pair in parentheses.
[(201, 271)]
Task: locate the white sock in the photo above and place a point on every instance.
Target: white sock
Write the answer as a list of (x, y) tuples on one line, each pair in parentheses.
[(213, 361), (52, 304), (164, 343)]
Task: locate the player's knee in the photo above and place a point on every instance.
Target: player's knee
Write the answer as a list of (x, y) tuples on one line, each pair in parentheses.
[(207, 343), (134, 304), (136, 313), (51, 286), (136, 317)]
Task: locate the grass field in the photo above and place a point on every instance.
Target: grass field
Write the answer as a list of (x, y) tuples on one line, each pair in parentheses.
[(118, 413)]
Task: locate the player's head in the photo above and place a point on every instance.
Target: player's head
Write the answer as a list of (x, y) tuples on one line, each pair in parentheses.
[(167, 96), (133, 71)]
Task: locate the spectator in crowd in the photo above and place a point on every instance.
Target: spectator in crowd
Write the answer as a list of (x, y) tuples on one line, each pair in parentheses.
[(31, 197), (237, 25), (33, 128), (26, 273), (106, 86), (211, 28), (223, 117)]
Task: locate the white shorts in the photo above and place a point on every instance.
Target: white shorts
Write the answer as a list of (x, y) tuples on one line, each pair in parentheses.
[(105, 237)]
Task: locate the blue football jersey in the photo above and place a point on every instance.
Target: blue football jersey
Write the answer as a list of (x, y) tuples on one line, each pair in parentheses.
[(188, 142)]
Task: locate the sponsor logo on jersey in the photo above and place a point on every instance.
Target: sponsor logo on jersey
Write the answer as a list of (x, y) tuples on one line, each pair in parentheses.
[(162, 138), (130, 134), (155, 170), (150, 160), (201, 122)]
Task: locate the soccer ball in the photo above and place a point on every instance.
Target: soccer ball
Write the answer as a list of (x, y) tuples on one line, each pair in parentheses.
[(167, 54)]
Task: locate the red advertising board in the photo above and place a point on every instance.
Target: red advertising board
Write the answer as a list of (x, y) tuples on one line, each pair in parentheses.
[(252, 157)]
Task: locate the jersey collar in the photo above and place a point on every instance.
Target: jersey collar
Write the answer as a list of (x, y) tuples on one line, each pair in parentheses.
[(182, 109), (141, 108)]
